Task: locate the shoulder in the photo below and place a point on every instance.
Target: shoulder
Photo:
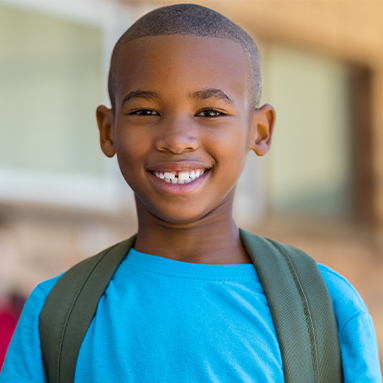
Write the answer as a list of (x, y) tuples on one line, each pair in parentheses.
[(25, 343), (44, 288), (36, 300), (341, 289), (347, 301), (356, 330)]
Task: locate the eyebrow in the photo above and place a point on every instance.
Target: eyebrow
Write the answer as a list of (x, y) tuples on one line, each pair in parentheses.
[(145, 94), (201, 94), (209, 93)]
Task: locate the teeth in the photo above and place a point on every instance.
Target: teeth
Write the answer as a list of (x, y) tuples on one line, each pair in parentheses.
[(169, 176), (183, 176), (180, 178)]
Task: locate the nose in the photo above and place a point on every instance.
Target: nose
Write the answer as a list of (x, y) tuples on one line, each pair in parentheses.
[(177, 135)]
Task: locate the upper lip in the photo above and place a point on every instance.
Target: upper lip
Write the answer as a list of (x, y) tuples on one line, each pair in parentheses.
[(177, 166)]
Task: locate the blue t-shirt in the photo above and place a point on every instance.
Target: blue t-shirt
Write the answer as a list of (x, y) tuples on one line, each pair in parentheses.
[(162, 320)]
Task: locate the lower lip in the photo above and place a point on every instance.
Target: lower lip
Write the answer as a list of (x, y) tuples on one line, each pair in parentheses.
[(177, 189)]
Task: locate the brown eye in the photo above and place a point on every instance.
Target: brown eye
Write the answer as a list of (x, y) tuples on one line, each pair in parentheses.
[(210, 113), (144, 112)]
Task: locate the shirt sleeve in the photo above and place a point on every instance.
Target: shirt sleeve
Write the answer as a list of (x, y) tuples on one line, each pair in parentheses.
[(357, 338), (24, 363), (360, 350)]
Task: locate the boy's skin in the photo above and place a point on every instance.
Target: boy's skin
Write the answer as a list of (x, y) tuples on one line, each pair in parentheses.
[(171, 128)]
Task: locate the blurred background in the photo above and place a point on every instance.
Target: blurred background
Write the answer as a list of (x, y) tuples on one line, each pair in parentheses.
[(320, 188)]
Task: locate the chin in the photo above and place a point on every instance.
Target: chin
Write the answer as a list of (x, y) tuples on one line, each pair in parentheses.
[(187, 219), (185, 214)]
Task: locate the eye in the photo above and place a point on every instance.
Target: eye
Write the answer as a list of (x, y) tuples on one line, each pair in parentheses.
[(210, 113), (144, 112)]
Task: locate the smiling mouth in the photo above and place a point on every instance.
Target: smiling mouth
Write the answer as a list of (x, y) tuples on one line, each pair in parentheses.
[(182, 177)]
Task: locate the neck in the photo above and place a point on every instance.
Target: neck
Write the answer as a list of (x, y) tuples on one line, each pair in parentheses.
[(213, 239)]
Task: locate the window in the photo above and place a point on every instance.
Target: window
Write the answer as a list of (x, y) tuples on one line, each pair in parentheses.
[(53, 69)]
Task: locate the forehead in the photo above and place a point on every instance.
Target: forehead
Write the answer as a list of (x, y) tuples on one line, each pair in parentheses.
[(184, 63)]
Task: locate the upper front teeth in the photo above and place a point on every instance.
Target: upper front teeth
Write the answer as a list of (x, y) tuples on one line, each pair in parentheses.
[(179, 178), (167, 175)]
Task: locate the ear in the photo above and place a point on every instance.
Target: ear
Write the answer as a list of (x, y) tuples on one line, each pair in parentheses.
[(262, 128), (105, 125)]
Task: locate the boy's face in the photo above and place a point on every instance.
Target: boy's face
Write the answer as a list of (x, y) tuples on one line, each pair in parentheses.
[(182, 106)]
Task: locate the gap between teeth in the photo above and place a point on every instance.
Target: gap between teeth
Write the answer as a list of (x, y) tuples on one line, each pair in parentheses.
[(180, 178)]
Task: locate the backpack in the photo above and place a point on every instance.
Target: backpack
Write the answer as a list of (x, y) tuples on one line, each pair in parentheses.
[(300, 304)]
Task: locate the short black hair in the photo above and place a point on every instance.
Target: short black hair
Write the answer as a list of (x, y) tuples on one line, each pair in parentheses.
[(189, 20)]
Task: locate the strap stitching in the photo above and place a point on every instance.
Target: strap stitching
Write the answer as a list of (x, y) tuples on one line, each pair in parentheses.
[(64, 327), (306, 308)]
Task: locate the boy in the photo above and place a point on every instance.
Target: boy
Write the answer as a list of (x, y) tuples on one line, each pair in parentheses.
[(186, 304)]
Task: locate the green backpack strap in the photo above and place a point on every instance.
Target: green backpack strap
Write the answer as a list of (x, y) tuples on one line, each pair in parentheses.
[(70, 308), (299, 301), (301, 308)]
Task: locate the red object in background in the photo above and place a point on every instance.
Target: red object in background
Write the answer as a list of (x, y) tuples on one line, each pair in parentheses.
[(9, 315)]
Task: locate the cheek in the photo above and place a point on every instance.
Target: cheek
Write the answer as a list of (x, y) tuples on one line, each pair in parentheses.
[(230, 162), (131, 151), (130, 141), (230, 148)]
